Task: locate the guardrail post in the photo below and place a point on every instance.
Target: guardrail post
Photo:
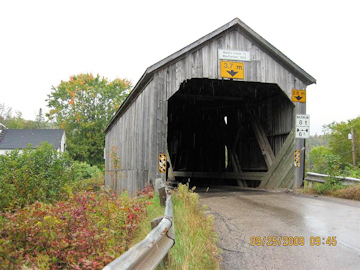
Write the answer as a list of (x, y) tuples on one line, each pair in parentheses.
[(156, 221), (162, 195)]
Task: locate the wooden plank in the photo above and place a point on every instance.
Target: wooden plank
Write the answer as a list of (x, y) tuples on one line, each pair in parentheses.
[(280, 173), (287, 172), (251, 176), (196, 64), (236, 165), (205, 59), (277, 170), (289, 180), (288, 144), (180, 73), (208, 98), (262, 139), (153, 155)]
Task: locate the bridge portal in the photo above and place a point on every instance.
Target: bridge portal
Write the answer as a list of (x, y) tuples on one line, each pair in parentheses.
[(221, 110)]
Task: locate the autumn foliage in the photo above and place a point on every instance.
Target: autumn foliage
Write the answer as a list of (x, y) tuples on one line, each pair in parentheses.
[(83, 106), (87, 231)]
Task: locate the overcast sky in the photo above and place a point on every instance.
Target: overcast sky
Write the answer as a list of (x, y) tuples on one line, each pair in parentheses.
[(44, 42)]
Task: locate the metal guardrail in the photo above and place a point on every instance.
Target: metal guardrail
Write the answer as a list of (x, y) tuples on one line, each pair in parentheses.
[(148, 253), (320, 178)]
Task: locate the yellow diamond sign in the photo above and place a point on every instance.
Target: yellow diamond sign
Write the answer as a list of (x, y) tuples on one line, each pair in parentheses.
[(232, 70)]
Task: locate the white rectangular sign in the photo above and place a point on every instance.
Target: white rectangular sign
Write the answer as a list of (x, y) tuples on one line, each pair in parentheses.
[(302, 120), (234, 55), (302, 132)]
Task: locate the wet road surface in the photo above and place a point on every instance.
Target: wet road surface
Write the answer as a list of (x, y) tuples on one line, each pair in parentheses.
[(244, 213)]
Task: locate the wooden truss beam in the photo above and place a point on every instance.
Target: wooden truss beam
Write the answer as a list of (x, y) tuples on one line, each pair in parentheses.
[(262, 139), (251, 176), (208, 98)]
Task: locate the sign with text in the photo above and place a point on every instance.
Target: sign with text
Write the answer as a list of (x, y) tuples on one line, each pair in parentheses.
[(298, 95), (302, 126), (302, 120), (232, 70), (233, 55)]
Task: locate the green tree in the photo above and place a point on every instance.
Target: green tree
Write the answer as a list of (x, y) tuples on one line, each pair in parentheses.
[(317, 159), (83, 106), (40, 120), (15, 121), (340, 144)]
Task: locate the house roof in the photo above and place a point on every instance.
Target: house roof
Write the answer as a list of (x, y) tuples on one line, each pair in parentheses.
[(20, 138), (234, 24)]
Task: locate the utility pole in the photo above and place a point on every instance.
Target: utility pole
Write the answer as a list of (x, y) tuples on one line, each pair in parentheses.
[(353, 147)]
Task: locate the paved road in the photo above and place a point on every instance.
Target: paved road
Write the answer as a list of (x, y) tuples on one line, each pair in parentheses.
[(243, 213)]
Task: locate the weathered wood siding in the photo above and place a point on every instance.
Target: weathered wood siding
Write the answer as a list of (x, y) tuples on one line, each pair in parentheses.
[(139, 135)]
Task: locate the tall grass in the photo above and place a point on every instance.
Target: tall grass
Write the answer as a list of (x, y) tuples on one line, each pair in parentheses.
[(195, 240), (351, 192)]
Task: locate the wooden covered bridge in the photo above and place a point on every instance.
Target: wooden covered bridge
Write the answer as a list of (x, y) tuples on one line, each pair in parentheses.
[(221, 110)]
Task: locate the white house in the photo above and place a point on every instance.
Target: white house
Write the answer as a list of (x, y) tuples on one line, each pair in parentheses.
[(11, 139)]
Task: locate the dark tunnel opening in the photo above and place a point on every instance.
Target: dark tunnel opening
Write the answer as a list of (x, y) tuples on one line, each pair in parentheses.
[(217, 128)]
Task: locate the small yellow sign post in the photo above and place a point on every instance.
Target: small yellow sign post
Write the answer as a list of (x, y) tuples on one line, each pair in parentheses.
[(232, 70), (298, 95)]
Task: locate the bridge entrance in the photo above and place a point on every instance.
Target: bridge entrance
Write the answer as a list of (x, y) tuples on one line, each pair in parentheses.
[(219, 109), (226, 132)]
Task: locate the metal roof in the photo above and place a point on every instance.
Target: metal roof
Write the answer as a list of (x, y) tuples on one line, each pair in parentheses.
[(20, 138), (234, 24)]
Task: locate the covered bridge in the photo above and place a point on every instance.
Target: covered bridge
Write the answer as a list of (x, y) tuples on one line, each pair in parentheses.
[(221, 111)]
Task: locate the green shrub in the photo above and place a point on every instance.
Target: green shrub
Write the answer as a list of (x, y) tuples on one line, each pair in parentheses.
[(327, 188), (83, 170), (349, 171), (32, 175)]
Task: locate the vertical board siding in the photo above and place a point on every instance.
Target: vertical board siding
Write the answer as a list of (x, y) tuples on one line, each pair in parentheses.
[(141, 131)]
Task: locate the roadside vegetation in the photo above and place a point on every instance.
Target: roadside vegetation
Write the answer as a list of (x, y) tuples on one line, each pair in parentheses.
[(41, 174), (335, 190), (332, 154), (195, 239), (55, 213), (87, 230)]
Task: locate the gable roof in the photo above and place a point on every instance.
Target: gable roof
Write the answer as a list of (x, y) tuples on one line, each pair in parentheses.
[(20, 138), (234, 24)]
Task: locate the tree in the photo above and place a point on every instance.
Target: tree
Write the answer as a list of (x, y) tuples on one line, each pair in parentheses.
[(83, 106), (40, 120), (317, 159), (340, 144), (10, 121)]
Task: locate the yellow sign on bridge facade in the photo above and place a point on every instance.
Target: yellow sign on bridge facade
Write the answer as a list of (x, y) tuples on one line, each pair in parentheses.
[(298, 95), (232, 70)]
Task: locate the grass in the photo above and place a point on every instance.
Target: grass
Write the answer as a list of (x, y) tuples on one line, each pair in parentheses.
[(351, 192), (195, 240)]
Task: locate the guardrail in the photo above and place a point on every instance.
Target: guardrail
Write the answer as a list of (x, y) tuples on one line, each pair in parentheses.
[(148, 253), (320, 178)]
